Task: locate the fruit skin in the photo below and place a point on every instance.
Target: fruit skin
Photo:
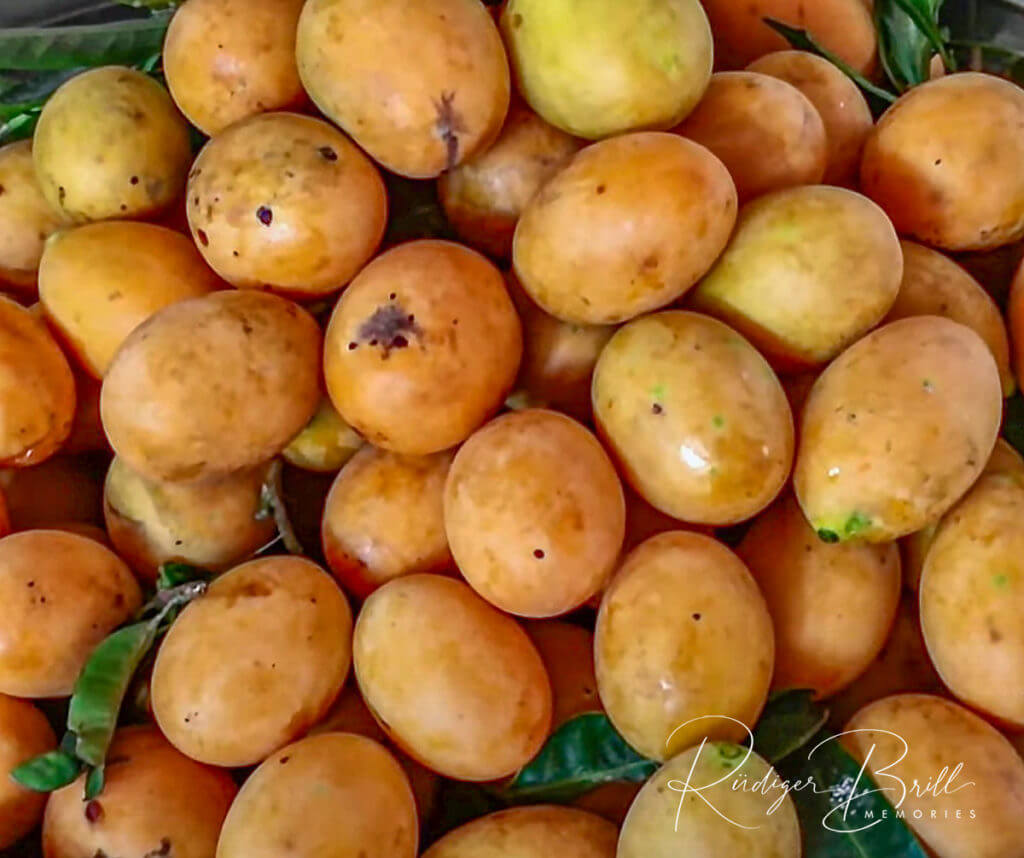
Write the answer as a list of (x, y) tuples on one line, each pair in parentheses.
[(111, 144), (695, 417), (484, 196), (610, 67), (24, 734), (26, 218), (325, 444), (766, 132), (530, 832), (37, 389), (843, 26), (534, 513), (722, 819), (843, 109), (100, 281), (62, 594), (935, 733), (153, 799), (683, 632), (419, 118), (336, 794), (384, 518), (254, 663), (429, 644), (832, 606), (212, 385), (226, 60), (422, 347), (285, 203), (577, 262), (919, 399), (807, 272), (945, 162)]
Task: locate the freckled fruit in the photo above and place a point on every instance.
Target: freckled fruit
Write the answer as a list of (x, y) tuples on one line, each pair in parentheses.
[(453, 681), (695, 416), (286, 203), (111, 144), (534, 513), (920, 400), (226, 60), (606, 67), (742, 115), (936, 147), (422, 347), (683, 633), (418, 118), (575, 259)]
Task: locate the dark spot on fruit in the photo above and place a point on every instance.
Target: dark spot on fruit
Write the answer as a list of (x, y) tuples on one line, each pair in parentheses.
[(93, 811), (650, 261), (448, 126), (234, 253), (517, 20), (61, 194), (938, 161), (353, 346), (246, 328), (392, 296), (284, 760), (657, 409), (264, 215), (162, 851), (389, 326), (119, 600), (327, 153), (696, 616), (538, 553), (31, 584), (3, 190), (203, 240), (124, 208), (134, 180), (601, 189)]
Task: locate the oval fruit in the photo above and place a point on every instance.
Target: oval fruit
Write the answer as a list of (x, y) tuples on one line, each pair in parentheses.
[(695, 416), (742, 115), (807, 272), (355, 802), (575, 259), (99, 282), (253, 663), (61, 594), (918, 399), (110, 143), (384, 518), (832, 605), (213, 385), (420, 118), (125, 819), (422, 347), (683, 633), (286, 203), (454, 682), (609, 67), (936, 147)]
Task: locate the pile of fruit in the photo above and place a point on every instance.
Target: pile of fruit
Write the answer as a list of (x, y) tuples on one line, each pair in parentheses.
[(555, 429)]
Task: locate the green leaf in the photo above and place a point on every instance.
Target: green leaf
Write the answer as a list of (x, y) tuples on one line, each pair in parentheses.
[(21, 125), (908, 37), (456, 804), (171, 575), (94, 783), (790, 720), (804, 41), (56, 48), (582, 754), (48, 772), (841, 811), (100, 689)]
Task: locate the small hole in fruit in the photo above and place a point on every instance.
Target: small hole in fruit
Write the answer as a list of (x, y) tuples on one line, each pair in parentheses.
[(264, 215), (538, 553), (134, 180), (696, 616), (203, 240), (353, 346)]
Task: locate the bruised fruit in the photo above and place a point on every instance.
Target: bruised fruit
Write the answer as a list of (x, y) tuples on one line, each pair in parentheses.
[(286, 203), (227, 60), (605, 67), (575, 259), (110, 143), (743, 115), (695, 416), (534, 513), (422, 347), (419, 118)]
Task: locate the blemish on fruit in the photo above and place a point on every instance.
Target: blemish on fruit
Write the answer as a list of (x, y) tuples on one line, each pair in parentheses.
[(264, 215), (390, 327), (448, 126)]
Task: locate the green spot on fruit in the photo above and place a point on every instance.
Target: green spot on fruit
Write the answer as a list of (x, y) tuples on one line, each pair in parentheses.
[(928, 386), (729, 755), (658, 391), (826, 535), (718, 421), (1000, 581), (856, 523)]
